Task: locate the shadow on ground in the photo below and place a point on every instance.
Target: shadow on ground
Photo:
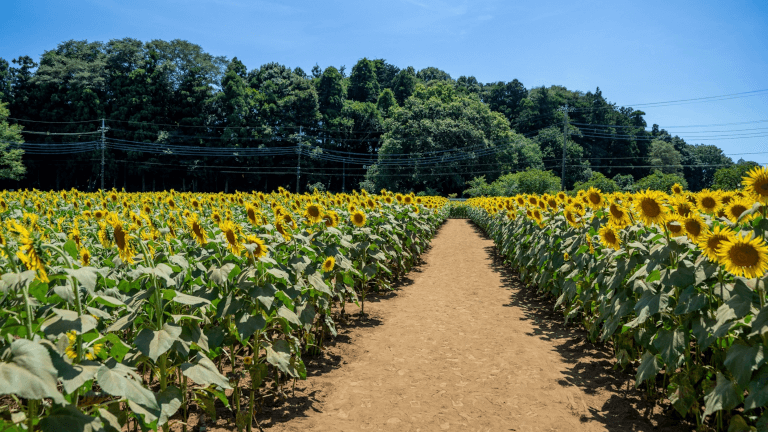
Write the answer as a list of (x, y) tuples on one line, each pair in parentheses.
[(297, 404), (591, 366)]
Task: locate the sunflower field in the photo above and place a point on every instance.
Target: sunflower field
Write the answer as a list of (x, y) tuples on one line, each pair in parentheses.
[(675, 281), (120, 310)]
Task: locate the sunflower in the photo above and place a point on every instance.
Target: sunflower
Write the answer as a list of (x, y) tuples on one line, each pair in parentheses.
[(571, 215), (677, 189), (230, 234), (283, 229), (708, 201), (328, 264), (618, 215), (388, 199), (710, 241), (193, 222), (252, 214), (85, 256), (260, 249), (756, 184), (744, 255), (650, 208), (736, 207), (331, 219), (594, 198), (30, 250), (674, 226), (407, 199), (682, 206), (566, 257), (609, 236), (358, 218), (122, 240), (314, 213), (694, 227)]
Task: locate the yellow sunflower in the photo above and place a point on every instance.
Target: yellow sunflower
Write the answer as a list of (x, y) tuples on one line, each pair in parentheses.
[(708, 201), (594, 198), (756, 184), (650, 208), (694, 226), (619, 217), (328, 264), (314, 213), (744, 255), (193, 222), (736, 207), (230, 232), (710, 241), (358, 218), (675, 226), (260, 249), (283, 229), (609, 236), (677, 189)]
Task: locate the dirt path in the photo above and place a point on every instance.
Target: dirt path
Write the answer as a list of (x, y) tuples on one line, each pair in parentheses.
[(462, 347)]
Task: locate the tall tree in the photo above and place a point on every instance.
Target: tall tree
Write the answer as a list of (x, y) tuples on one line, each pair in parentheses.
[(404, 84), (363, 83), (11, 165), (665, 157)]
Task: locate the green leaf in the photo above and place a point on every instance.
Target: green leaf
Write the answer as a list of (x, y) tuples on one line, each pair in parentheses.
[(119, 380), (648, 369), (202, 371), (30, 373), (318, 283), (758, 390), (70, 247), (109, 301), (170, 402), (741, 360), (70, 419), (671, 345), (72, 376), (724, 396), (264, 294), (690, 301), (229, 305), (682, 395), (760, 323), (288, 315), (249, 324), (738, 424), (87, 276), (66, 320), (279, 355), (185, 299), (153, 343)]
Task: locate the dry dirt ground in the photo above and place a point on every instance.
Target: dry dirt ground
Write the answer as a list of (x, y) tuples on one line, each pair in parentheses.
[(461, 345)]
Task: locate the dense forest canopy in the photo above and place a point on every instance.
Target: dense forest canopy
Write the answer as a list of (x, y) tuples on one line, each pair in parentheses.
[(378, 126)]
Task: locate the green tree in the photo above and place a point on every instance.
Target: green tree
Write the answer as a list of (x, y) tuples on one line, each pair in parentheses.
[(550, 141), (701, 162), (385, 73), (660, 182), (597, 181), (730, 178), (665, 157), (433, 73), (505, 97), (436, 118), (330, 93), (386, 102), (404, 84), (11, 165), (363, 83)]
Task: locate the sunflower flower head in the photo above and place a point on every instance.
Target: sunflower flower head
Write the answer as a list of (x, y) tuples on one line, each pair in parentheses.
[(358, 218), (328, 264), (744, 255), (609, 236)]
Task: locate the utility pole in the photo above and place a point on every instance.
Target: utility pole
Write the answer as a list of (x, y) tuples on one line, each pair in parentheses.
[(103, 148), (298, 165), (564, 110)]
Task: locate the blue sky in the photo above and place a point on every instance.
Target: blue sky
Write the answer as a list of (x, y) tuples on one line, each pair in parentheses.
[(636, 52)]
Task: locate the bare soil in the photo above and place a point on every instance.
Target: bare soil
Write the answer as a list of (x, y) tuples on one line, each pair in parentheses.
[(462, 345)]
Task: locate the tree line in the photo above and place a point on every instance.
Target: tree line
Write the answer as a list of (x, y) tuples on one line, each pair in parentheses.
[(374, 126)]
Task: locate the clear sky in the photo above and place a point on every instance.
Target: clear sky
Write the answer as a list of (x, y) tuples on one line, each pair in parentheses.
[(636, 52)]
